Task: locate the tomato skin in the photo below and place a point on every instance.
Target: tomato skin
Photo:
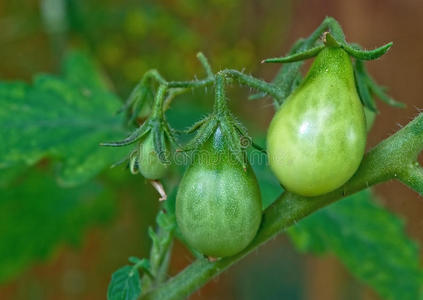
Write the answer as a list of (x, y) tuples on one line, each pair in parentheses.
[(218, 204), (317, 139), (149, 163)]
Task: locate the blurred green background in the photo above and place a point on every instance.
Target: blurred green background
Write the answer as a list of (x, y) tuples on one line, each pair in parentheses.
[(64, 243)]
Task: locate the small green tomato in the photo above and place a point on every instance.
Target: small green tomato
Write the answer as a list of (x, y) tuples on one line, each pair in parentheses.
[(149, 163), (218, 204), (316, 140)]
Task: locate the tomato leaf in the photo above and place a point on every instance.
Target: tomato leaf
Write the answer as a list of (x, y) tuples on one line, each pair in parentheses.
[(125, 284), (64, 118), (369, 240), (80, 70), (37, 215)]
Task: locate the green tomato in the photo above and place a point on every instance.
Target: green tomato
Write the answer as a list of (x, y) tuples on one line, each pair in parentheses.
[(317, 139), (218, 204), (149, 163)]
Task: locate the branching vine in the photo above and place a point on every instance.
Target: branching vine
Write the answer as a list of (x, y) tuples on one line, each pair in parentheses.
[(394, 158), (386, 161)]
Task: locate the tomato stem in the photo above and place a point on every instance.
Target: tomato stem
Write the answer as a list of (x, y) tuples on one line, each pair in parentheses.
[(384, 162), (220, 106)]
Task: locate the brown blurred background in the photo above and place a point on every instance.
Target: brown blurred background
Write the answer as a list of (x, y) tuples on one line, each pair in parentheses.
[(234, 35)]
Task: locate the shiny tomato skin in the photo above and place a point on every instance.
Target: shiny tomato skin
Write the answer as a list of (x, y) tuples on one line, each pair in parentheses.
[(317, 139), (218, 204)]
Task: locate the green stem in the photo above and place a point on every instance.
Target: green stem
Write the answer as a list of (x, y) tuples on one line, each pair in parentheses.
[(205, 63), (159, 257), (192, 84), (384, 162), (220, 106), (154, 74), (253, 82), (158, 102), (413, 177), (162, 272)]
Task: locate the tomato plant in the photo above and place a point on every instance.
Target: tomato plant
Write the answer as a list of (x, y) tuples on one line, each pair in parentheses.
[(315, 148)]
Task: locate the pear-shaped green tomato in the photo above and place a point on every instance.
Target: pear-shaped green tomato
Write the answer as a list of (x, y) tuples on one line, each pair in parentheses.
[(218, 204), (316, 140), (149, 163)]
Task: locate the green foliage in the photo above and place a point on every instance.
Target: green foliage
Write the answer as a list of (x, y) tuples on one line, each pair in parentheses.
[(64, 118), (369, 240), (125, 284), (37, 215)]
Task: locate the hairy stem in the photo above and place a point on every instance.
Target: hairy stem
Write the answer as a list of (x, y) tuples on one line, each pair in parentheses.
[(413, 177), (392, 158), (220, 98), (158, 101), (253, 82)]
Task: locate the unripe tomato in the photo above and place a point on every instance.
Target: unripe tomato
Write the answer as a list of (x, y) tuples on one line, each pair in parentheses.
[(218, 204), (149, 163), (316, 140)]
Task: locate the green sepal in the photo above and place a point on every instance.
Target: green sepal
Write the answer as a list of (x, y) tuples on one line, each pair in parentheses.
[(140, 96), (379, 92), (362, 87), (159, 141), (366, 54), (203, 134), (197, 125), (132, 138), (288, 74), (133, 162), (296, 56), (233, 140), (370, 87)]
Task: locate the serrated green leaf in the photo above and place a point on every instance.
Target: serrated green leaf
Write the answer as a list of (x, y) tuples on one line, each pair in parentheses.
[(369, 240), (64, 119), (124, 285), (37, 215)]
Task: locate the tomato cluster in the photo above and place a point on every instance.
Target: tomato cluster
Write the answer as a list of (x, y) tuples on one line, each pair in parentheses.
[(315, 143)]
